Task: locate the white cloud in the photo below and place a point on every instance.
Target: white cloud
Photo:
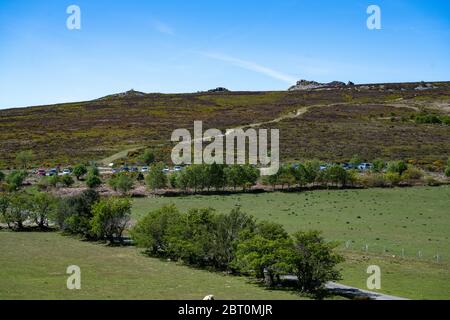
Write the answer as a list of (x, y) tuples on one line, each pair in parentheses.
[(252, 66), (163, 28)]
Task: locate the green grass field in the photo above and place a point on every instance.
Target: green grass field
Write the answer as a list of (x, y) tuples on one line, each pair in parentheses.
[(395, 224), (33, 266)]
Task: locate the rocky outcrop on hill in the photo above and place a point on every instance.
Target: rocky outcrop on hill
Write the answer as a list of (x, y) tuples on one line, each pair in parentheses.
[(219, 89), (128, 94), (310, 85)]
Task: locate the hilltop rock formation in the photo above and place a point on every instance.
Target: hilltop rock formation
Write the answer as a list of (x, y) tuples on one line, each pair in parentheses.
[(219, 89), (310, 85)]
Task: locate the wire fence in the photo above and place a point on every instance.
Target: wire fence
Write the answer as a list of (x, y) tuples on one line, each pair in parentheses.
[(397, 251)]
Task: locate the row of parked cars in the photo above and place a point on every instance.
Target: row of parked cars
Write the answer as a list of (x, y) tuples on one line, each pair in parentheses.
[(53, 172), (365, 166), (145, 169)]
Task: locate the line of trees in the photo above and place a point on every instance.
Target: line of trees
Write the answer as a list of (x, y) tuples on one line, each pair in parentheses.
[(310, 173), (204, 177), (85, 214), (236, 242)]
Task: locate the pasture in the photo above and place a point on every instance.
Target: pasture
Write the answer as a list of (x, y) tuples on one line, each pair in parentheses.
[(33, 267), (404, 230)]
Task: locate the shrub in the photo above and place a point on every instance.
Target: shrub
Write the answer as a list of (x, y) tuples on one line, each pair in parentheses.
[(151, 231), (447, 171), (430, 181), (148, 157), (110, 218), (4, 206), (121, 182), (67, 181), (266, 252), (18, 211), (376, 180), (412, 173), (314, 261), (79, 171), (393, 178), (2, 176), (73, 214), (156, 179), (397, 167), (93, 181), (15, 180), (378, 165), (42, 207)]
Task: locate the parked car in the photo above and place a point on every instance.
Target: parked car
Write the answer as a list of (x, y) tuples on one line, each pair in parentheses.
[(41, 172), (125, 169), (66, 172), (323, 167), (134, 169), (177, 168), (144, 169), (365, 166), (52, 172), (166, 170)]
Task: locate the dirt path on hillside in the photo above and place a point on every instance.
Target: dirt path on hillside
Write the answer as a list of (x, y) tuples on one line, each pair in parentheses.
[(292, 115)]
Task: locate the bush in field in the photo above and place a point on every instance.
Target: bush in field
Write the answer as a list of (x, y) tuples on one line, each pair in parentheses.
[(17, 212), (93, 181), (314, 261), (79, 171), (67, 181), (227, 231), (148, 157), (244, 176), (2, 176), (412, 173), (156, 178), (266, 251), (378, 165), (122, 182), (42, 207), (393, 178), (376, 180), (4, 206), (190, 238), (182, 180), (286, 176), (151, 231), (336, 175), (73, 214), (397, 167), (110, 218), (312, 170), (15, 180), (217, 178)]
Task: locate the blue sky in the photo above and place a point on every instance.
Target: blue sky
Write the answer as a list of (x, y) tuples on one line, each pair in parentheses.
[(192, 45)]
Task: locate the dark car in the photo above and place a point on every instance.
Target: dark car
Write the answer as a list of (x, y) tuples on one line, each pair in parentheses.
[(41, 172)]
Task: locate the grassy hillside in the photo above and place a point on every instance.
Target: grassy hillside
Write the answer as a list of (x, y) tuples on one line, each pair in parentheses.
[(369, 121)]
